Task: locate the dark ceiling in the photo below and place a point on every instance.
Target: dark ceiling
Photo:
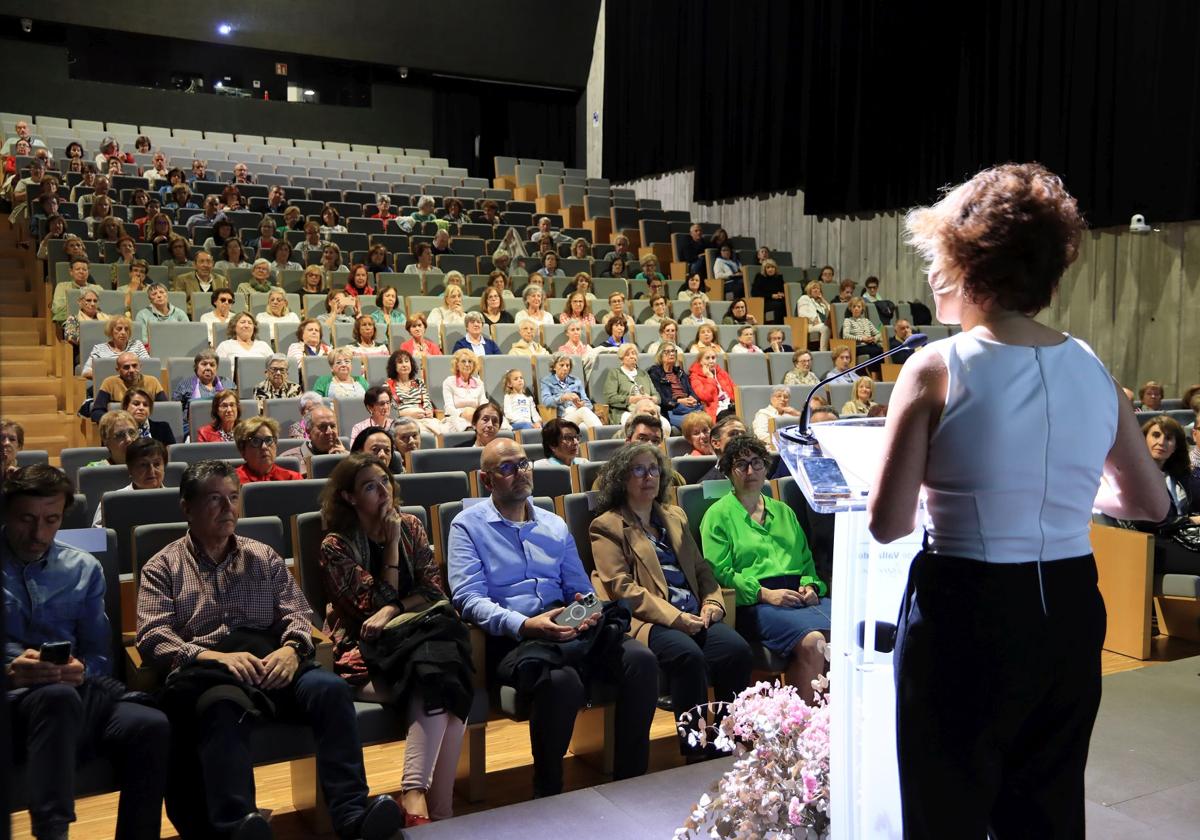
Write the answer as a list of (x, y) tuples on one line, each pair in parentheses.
[(541, 42)]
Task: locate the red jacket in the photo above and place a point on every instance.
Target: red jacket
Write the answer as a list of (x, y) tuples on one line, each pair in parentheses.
[(277, 473), (705, 387)]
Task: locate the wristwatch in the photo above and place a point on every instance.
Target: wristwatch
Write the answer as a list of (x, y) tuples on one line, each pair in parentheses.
[(301, 650)]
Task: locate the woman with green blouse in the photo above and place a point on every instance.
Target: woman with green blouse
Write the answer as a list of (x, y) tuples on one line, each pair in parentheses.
[(757, 547)]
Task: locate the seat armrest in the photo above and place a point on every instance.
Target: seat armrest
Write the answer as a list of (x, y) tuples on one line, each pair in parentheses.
[(324, 648), (478, 655), (729, 596), (139, 676)]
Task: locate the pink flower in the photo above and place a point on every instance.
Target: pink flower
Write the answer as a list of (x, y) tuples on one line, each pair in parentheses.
[(795, 812)]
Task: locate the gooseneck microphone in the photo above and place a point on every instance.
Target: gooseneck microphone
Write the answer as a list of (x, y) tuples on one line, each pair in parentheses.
[(802, 433)]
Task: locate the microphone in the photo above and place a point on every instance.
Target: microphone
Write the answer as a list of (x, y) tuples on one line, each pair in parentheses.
[(802, 433)]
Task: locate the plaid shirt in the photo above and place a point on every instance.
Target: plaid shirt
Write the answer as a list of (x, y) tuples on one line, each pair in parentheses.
[(187, 602)]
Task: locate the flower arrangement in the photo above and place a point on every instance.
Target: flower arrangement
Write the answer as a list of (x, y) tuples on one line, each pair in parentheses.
[(779, 785)]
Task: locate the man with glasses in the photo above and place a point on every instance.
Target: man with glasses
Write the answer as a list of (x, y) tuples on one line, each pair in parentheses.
[(276, 385), (512, 568), (224, 614), (322, 438), (129, 375), (257, 439)]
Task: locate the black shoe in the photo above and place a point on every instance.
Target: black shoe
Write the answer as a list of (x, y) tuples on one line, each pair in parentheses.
[(254, 826), (383, 819)]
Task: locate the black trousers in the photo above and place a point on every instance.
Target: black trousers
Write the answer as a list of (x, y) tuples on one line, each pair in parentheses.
[(558, 698), (997, 688), (50, 729), (211, 785), (717, 656)]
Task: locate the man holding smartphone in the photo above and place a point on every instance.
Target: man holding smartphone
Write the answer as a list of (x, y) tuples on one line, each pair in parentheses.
[(58, 666), (512, 566)]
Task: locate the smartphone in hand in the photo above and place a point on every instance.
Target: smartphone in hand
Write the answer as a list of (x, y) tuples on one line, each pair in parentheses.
[(55, 653)]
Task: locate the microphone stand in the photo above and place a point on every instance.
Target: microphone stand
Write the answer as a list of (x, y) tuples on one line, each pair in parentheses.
[(802, 433)]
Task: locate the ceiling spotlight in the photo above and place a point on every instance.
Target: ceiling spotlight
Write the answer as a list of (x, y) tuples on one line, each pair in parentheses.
[(224, 28), (309, 92)]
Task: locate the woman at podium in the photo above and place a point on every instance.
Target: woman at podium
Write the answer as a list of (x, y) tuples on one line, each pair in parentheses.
[(1010, 427)]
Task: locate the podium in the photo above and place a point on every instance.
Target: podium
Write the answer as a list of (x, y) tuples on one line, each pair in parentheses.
[(835, 473)]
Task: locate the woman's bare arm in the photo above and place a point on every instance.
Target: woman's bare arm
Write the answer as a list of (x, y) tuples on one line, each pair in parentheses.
[(913, 412), (1133, 486)]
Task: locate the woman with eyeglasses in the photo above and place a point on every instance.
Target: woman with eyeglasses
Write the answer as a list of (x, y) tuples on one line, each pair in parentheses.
[(339, 383), (462, 391), (146, 461), (277, 311), (117, 430), (377, 565), (645, 555), (678, 400), (757, 547), (257, 440), (276, 385), (226, 411), (378, 402)]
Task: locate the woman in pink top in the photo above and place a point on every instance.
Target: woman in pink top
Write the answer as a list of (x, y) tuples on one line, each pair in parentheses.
[(574, 345), (419, 346)]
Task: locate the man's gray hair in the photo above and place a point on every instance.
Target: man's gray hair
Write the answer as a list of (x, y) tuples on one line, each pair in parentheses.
[(310, 399)]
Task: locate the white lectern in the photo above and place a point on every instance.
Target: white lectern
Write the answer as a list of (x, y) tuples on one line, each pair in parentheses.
[(868, 586)]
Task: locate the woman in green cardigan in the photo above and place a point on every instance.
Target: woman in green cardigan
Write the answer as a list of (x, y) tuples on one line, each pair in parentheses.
[(757, 547), (627, 387), (340, 384)]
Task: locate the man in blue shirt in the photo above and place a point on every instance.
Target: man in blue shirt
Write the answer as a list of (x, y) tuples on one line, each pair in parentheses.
[(55, 593), (512, 567)]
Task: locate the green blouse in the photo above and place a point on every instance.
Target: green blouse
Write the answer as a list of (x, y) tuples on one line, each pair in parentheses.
[(742, 552)]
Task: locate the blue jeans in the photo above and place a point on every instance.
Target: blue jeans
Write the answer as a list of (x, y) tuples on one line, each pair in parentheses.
[(522, 425)]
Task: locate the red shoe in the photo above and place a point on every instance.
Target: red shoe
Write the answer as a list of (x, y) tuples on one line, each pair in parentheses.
[(413, 820)]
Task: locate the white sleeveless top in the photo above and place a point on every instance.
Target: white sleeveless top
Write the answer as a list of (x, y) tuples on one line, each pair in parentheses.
[(1015, 462)]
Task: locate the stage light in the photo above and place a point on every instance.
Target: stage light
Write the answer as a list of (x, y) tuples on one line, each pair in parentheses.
[(217, 84), (309, 92), (224, 28)]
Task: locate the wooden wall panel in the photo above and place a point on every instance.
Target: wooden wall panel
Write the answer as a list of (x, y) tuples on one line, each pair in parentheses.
[(1134, 298)]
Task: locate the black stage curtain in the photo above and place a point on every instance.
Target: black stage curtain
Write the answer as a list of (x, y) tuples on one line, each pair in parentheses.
[(510, 121), (870, 106)]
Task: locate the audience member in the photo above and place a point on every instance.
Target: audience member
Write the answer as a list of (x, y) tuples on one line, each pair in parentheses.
[(423, 254), (645, 556), (89, 310), (260, 279), (339, 383), (739, 313), (257, 440), (845, 290), (12, 441), (768, 285), (801, 372), (450, 313), (378, 401), (277, 311), (712, 384), (577, 309), (488, 541), (58, 712), (129, 375), (81, 280), (226, 410), (365, 340), (117, 429), (389, 309), (858, 328), (264, 641), (779, 406), (757, 547), (376, 442), (146, 461), (564, 392), (902, 331), (697, 313), (308, 341), (673, 385), (406, 437), (1150, 395), (574, 345), (863, 399), (615, 327), (160, 310), (276, 385), (378, 564), (723, 432), (616, 309), (322, 437), (462, 391), (243, 340), (620, 250), (693, 286), (527, 345), (520, 410), (659, 311), (140, 406), (560, 443), (409, 393), (691, 251), (418, 345), (534, 297), (813, 307), (696, 429), (119, 331), (843, 360), (222, 311), (486, 421), (628, 388), (668, 332), (745, 341), (307, 402), (475, 340)]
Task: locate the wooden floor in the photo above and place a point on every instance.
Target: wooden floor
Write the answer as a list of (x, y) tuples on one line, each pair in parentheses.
[(509, 767)]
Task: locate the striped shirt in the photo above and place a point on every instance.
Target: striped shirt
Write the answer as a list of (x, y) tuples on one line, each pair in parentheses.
[(188, 603)]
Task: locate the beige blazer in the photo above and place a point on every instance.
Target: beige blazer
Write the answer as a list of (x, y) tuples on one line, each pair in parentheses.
[(627, 566)]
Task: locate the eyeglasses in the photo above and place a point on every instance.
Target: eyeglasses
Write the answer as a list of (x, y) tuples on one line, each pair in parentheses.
[(280, 370), (568, 439), (645, 470), (510, 468), (753, 465), (261, 442), (125, 434)]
